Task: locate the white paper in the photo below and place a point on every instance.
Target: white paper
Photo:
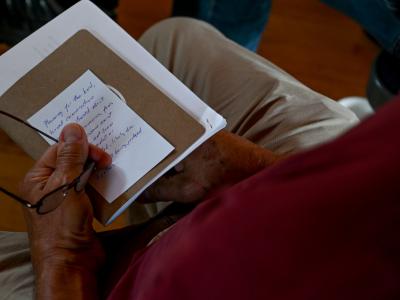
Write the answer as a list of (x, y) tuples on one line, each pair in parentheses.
[(110, 124), (19, 60)]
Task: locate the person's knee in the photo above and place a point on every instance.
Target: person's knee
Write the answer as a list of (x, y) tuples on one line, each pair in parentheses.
[(178, 26)]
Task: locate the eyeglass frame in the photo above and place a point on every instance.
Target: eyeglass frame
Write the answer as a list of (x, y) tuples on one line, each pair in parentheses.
[(78, 184)]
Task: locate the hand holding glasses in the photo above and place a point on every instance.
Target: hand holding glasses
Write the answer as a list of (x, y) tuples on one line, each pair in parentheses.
[(53, 199)]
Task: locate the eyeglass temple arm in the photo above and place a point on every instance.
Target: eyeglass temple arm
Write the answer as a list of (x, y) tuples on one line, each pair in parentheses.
[(20, 200), (17, 198), (27, 124)]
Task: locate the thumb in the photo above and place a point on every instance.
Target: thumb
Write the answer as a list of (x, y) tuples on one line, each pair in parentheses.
[(72, 152)]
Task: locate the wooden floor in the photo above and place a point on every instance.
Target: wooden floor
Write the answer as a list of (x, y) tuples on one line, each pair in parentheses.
[(318, 45)]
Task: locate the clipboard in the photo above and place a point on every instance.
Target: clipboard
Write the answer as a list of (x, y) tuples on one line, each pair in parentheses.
[(60, 69)]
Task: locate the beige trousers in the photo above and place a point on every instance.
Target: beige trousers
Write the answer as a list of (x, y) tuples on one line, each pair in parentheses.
[(260, 102)]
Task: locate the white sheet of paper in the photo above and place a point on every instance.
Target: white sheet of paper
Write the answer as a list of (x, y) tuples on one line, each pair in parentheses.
[(109, 123)]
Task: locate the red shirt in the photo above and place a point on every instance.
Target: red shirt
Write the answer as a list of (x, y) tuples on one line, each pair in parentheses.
[(324, 224)]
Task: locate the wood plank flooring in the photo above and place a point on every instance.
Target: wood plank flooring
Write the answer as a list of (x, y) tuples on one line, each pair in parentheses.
[(318, 45)]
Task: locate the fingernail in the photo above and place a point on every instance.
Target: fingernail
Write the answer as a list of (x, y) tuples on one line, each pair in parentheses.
[(72, 134)]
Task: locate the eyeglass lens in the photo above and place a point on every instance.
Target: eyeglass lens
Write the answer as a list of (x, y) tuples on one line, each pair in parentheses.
[(51, 201)]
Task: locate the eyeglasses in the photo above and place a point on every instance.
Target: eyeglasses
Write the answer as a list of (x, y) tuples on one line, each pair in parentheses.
[(53, 199)]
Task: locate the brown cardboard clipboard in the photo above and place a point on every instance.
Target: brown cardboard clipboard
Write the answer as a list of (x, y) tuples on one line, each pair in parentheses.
[(84, 52)]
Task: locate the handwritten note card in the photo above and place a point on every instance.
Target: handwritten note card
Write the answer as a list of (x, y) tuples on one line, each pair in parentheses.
[(109, 123)]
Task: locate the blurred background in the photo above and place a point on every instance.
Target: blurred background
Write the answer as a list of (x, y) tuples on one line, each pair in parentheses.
[(318, 45)]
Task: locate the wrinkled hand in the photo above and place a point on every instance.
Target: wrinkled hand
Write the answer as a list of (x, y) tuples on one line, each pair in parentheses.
[(222, 161), (64, 236)]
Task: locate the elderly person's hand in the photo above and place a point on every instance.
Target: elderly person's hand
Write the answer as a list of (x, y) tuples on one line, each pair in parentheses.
[(223, 160), (65, 250)]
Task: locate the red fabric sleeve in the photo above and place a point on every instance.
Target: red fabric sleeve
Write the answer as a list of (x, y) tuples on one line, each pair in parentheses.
[(324, 224)]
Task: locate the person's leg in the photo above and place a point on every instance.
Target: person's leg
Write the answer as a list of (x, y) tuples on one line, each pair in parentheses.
[(259, 101), (243, 21), (16, 274), (379, 18)]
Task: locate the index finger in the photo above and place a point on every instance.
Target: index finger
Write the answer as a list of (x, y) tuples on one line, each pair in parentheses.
[(48, 158)]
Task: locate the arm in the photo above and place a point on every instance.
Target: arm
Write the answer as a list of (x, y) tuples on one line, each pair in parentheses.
[(65, 251), (65, 282)]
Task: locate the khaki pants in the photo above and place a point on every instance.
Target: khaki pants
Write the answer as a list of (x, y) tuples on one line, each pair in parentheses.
[(260, 102)]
